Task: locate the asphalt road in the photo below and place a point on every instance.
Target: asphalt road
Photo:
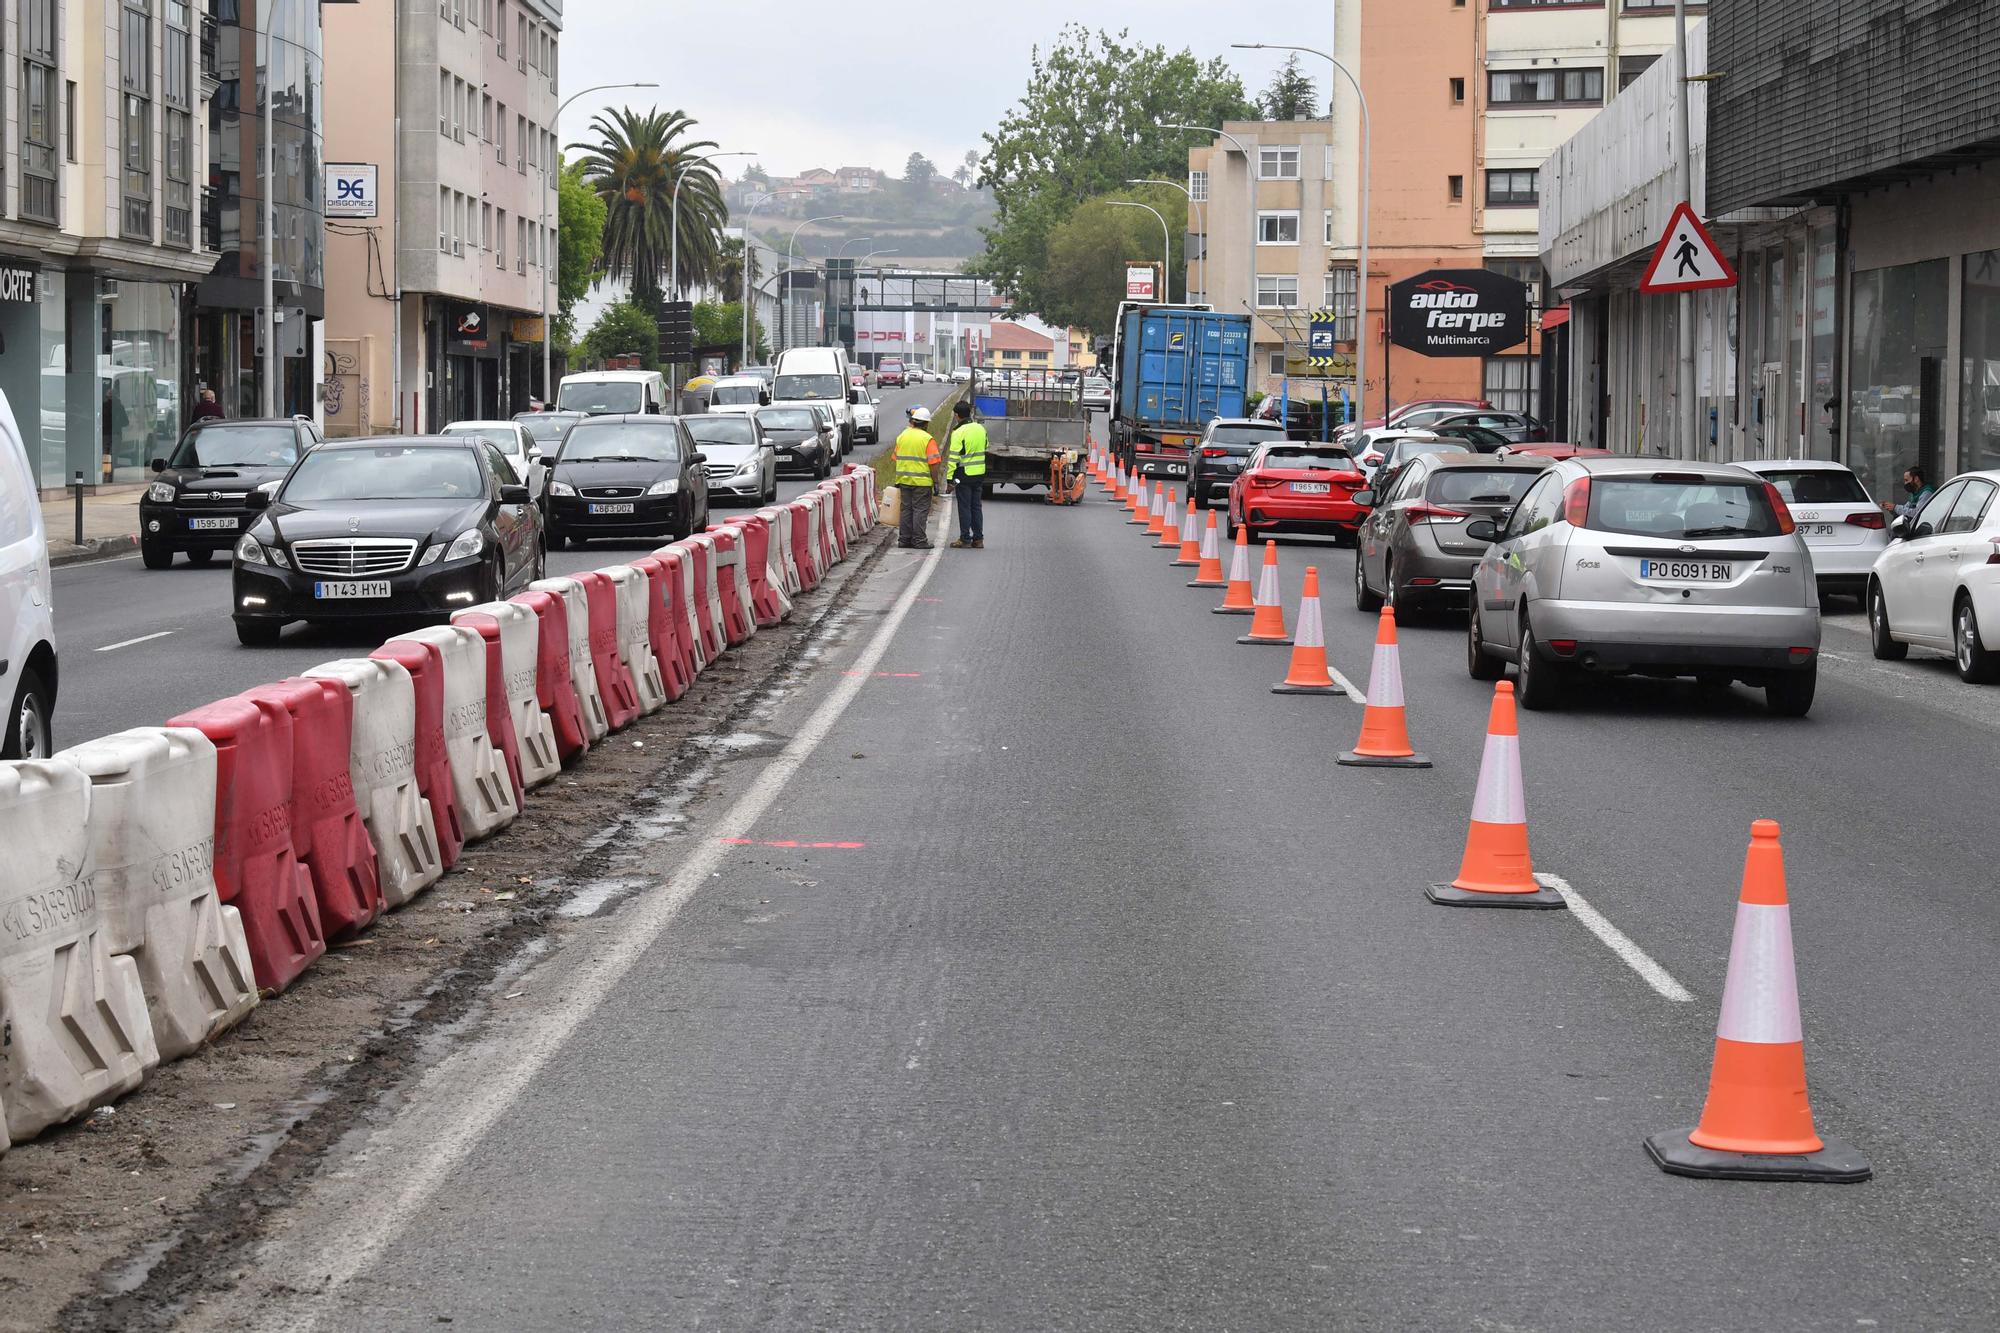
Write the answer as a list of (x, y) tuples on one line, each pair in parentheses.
[(138, 646), (1129, 1012)]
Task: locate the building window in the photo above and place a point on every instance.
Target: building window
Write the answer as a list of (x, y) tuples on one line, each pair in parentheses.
[(1278, 228), (444, 103), (1631, 67), (1198, 186), (1278, 164), (135, 64), (39, 36), (69, 119), (1458, 92), (1340, 299), (521, 144), (444, 220), (500, 27), (1276, 364), (1515, 188), (500, 133), (1548, 4), (1510, 383), (1454, 188), (177, 87), (521, 43), (500, 239), (1277, 291), (1327, 166), (1545, 87), (1327, 224), (1528, 272)]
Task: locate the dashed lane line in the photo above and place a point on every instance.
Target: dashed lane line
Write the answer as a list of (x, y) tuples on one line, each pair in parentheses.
[(127, 643), (1618, 941)]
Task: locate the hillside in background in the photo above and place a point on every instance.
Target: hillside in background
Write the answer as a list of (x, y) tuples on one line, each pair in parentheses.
[(924, 216)]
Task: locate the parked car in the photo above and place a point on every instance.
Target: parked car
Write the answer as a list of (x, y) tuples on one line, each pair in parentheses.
[(1845, 530), (546, 428), (738, 393), (799, 438), (510, 439), (1413, 549), (197, 503), (1392, 451), (626, 476), (396, 526), (1553, 451), (1096, 393), (889, 373), (1935, 586), (1641, 566), (1300, 488), (867, 412), (1480, 439), (961, 375), (27, 622), (1226, 445), (1402, 410), (741, 463), (612, 392), (1514, 427)]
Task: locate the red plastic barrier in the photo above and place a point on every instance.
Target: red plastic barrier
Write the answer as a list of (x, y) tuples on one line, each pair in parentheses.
[(499, 717), (614, 679), (552, 682), (660, 583), (426, 667), (257, 868), (736, 615), (680, 608), (327, 832), (805, 552), (764, 601), (697, 554), (835, 526), (832, 546)]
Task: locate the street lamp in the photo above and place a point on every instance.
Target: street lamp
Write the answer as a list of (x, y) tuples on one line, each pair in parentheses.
[(857, 240), (785, 311), (548, 332), (1361, 266), (762, 199), (674, 262), (1250, 182), (1203, 226), (1167, 260)]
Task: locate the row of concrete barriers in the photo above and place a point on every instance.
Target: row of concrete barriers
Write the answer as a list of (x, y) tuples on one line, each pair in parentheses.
[(165, 879)]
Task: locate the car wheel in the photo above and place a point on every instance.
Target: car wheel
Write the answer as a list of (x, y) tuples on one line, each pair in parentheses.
[(1791, 695), (155, 557), (258, 633), (1389, 598), (1977, 664), (554, 539), (1536, 679), (29, 733), (541, 566), (822, 469), (200, 558), (1886, 646), (1479, 664), (1364, 596)]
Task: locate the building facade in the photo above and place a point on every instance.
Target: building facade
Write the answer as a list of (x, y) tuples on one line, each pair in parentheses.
[(99, 250), (436, 315)]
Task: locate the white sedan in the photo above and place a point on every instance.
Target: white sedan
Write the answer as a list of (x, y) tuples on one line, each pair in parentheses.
[(1843, 527), (510, 438), (1937, 586)]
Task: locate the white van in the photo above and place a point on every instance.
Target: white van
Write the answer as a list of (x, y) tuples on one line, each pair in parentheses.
[(607, 392), (28, 650), (742, 394), (817, 375)]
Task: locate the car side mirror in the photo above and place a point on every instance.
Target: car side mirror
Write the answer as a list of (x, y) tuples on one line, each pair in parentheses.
[(1366, 499), (1899, 527), (534, 453), (1921, 530), (1483, 530), (159, 465), (547, 462), (697, 457), (514, 495), (257, 499)]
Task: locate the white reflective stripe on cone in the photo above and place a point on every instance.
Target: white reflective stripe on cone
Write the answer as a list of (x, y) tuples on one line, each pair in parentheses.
[(1310, 634), (1385, 677), (1239, 565), (1499, 799), (1267, 586), (1209, 550), (1188, 525), (1760, 999)]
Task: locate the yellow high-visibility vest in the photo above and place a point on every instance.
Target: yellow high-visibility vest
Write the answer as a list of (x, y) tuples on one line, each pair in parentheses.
[(915, 452), (968, 451)]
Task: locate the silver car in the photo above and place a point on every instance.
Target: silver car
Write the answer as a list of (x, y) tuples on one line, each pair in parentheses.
[(1645, 566)]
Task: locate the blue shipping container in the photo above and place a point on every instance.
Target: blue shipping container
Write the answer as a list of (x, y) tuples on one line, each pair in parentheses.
[(1181, 369)]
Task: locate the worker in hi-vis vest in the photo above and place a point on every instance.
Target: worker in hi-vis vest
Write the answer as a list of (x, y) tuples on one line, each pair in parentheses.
[(917, 474), (966, 470)]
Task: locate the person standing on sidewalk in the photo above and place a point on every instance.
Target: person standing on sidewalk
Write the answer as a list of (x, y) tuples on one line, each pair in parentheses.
[(206, 408), (967, 472), (917, 476)]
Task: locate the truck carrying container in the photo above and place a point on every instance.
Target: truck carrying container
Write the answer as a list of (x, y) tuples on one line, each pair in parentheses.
[(1036, 427), (1174, 368)]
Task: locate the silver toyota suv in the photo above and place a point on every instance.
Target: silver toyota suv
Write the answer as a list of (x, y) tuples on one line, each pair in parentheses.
[(1646, 566)]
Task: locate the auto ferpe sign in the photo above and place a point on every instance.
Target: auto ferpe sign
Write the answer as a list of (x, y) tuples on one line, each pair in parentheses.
[(1458, 312)]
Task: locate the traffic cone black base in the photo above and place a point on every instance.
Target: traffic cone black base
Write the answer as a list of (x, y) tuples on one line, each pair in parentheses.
[(1285, 642), (1446, 896), (1352, 760), (1307, 689), (1231, 610), (1835, 1164)]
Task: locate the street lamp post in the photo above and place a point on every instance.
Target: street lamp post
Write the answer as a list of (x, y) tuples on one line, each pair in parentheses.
[(1361, 265), (548, 332), (785, 311), (674, 226), (1250, 184), (744, 360), (1167, 259), (1203, 226)]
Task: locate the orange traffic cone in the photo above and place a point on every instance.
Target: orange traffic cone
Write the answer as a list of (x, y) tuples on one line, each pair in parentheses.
[(1170, 522), (1156, 510), (1385, 737), (1757, 1123), (1210, 573), (1238, 601), (1142, 501), (1190, 552), (1308, 674), (1118, 491), (1267, 624), (1496, 871)]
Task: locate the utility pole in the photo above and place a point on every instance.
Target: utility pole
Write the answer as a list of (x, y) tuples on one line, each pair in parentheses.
[(269, 398), (1689, 423)]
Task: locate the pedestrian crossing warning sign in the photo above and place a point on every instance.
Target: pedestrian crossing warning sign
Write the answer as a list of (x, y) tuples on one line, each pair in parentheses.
[(1687, 258)]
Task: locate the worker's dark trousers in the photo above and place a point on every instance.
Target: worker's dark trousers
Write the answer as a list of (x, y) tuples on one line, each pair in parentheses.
[(916, 515), (971, 509)]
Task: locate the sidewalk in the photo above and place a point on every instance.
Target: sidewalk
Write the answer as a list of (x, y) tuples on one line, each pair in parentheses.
[(110, 525)]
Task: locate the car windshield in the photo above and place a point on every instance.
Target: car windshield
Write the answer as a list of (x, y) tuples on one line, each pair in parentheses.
[(599, 397), (547, 427), (1818, 486), (737, 395), (238, 446), (722, 430), (386, 472), (654, 441), (789, 418), (1245, 435), (808, 386), (1681, 507), (1474, 485), (1311, 460)]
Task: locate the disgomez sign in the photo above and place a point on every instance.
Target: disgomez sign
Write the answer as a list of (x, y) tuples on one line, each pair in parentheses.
[(1458, 312)]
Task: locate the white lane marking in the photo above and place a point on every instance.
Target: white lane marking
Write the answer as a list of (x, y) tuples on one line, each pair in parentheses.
[(1618, 942), (1353, 690), (437, 1133), (127, 643)]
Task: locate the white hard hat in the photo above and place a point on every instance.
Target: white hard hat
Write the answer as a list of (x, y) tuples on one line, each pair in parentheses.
[(921, 415)]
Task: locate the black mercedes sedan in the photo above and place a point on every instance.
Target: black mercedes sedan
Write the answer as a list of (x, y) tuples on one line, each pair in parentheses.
[(626, 476), (197, 503), (402, 526), (795, 432)]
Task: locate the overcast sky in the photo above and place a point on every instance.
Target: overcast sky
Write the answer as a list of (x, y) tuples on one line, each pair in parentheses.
[(834, 85)]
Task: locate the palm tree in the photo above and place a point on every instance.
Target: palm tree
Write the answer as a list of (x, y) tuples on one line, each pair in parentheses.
[(632, 167)]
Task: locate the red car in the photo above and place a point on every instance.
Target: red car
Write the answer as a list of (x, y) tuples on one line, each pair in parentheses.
[(1298, 487), (1557, 452), (889, 373)]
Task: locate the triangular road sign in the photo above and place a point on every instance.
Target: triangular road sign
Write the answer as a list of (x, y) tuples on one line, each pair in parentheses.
[(1686, 259)]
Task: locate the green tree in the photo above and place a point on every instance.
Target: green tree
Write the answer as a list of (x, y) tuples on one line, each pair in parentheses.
[(1088, 122), (917, 174), (720, 324), (1291, 94), (633, 166), (580, 216), (1087, 252), (621, 330)]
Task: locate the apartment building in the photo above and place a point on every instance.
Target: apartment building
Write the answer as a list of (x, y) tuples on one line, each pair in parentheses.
[(436, 312), (98, 244)]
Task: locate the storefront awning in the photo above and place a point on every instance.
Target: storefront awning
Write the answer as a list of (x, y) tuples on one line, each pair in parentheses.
[(1555, 317)]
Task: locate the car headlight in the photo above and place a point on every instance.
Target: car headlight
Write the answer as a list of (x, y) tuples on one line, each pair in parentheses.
[(463, 547), (667, 487), (250, 552), (161, 492), (561, 488), (747, 467)]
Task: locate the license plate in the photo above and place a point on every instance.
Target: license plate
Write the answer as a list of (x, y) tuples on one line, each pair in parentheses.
[(1815, 529), (611, 508), (213, 524), (1311, 487), (1686, 571), (348, 590)]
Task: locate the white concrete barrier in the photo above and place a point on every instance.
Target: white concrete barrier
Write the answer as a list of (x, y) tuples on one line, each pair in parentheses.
[(479, 774), (684, 556), (710, 590), (582, 671), (733, 580), (635, 638), (382, 764), (73, 1014), (519, 649), (152, 865)]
